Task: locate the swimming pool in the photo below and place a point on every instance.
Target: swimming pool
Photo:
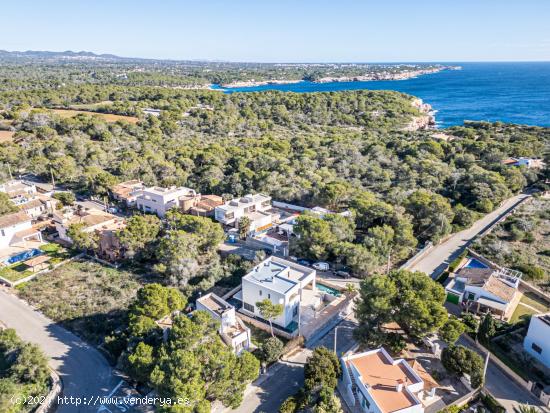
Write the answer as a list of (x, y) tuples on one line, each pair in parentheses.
[(329, 290), (473, 263), (22, 256)]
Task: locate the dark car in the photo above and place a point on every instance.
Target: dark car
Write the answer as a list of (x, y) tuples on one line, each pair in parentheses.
[(343, 274), (303, 261)]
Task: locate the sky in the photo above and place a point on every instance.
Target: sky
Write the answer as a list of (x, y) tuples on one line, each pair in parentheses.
[(285, 31)]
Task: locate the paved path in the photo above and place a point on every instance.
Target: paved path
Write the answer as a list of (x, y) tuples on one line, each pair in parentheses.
[(287, 377), (85, 373), (437, 260), (502, 387)]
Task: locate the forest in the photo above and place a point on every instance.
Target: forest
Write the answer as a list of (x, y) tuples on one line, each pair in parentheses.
[(340, 150)]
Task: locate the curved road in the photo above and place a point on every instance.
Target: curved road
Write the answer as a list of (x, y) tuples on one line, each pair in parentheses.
[(85, 373)]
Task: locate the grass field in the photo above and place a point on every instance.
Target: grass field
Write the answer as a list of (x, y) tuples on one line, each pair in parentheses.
[(528, 305), (86, 297), (69, 113)]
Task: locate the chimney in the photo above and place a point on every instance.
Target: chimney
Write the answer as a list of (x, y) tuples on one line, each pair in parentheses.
[(399, 386)]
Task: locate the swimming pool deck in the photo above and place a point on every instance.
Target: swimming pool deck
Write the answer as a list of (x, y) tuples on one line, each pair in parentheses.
[(19, 248)]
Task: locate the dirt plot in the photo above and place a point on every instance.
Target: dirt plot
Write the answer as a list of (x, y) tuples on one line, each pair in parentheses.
[(6, 136), (69, 113)]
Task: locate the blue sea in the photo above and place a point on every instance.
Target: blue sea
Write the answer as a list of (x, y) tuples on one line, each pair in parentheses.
[(506, 92)]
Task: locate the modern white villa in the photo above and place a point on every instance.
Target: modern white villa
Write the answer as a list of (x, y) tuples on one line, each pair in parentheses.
[(483, 287), (537, 340), (158, 200), (374, 382), (281, 281), (255, 207), (232, 330)]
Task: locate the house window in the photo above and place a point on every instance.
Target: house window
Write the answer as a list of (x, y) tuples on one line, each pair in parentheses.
[(260, 293), (269, 295), (248, 307), (536, 348), (471, 296), (295, 311), (3, 233)]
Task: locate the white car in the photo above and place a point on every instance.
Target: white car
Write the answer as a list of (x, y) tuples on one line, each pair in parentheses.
[(321, 266)]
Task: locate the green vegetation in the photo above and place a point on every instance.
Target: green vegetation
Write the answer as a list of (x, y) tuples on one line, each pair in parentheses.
[(87, 298), (269, 311), (522, 241), (193, 362), (321, 372), (24, 373), (460, 360), (452, 330), (6, 206), (411, 299)]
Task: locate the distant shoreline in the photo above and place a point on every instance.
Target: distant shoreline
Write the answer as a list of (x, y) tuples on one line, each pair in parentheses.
[(363, 78)]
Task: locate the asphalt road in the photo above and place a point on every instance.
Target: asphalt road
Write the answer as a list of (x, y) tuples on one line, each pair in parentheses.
[(502, 387), (437, 260), (287, 377), (85, 373)]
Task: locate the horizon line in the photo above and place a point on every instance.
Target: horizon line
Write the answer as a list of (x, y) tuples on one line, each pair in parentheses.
[(206, 60)]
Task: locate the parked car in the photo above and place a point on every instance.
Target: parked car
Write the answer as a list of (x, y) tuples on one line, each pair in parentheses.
[(343, 274), (321, 266), (305, 262)]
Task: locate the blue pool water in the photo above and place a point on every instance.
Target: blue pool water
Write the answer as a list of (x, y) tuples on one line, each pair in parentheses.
[(507, 92), (22, 256), (328, 290), (473, 263)]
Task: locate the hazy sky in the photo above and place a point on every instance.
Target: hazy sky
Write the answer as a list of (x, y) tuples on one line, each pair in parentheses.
[(297, 31)]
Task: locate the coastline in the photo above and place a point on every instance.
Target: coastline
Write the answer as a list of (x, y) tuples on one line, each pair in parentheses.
[(385, 75)]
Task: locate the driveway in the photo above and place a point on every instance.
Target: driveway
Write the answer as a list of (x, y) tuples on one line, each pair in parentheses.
[(85, 373), (438, 259)]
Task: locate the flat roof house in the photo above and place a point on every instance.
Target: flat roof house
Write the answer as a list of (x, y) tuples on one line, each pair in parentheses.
[(255, 207), (537, 340), (233, 331), (18, 191), (374, 382), (486, 288), (158, 200), (280, 281)]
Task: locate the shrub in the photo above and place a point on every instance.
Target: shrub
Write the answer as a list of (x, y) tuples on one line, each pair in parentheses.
[(532, 272), (461, 360), (289, 405), (271, 350)]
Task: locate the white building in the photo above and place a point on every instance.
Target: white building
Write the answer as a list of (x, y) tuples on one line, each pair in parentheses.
[(157, 200), (255, 207), (17, 228), (232, 330), (537, 340), (374, 382), (483, 288), (18, 191), (280, 281)]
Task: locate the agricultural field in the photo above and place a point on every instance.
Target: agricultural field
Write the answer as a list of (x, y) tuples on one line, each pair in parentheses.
[(522, 242), (86, 297), (69, 113)]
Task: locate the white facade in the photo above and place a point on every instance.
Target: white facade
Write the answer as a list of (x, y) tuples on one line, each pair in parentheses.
[(279, 281), (18, 191), (157, 200), (382, 384), (537, 340), (255, 207), (232, 330), (14, 227)]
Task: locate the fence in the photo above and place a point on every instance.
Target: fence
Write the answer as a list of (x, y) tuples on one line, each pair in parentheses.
[(418, 256), (33, 276)]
